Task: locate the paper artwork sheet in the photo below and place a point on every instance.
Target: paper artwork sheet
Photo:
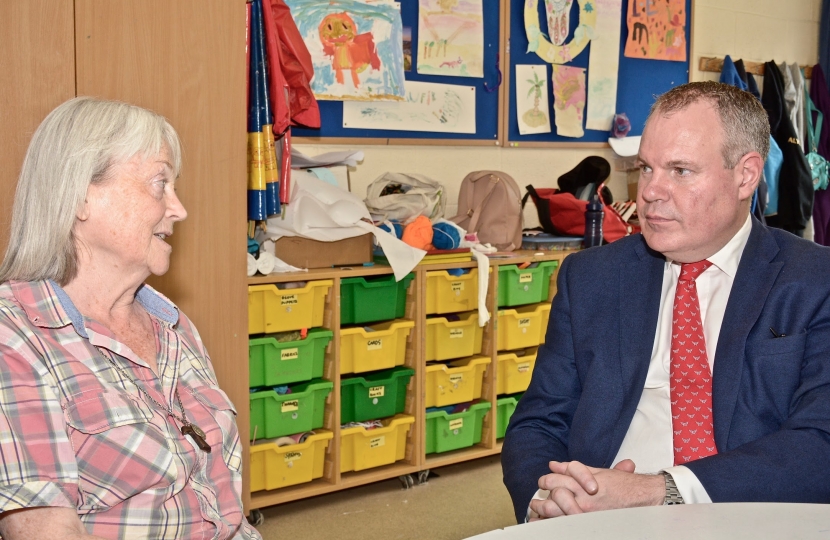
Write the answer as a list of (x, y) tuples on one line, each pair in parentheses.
[(656, 30), (444, 108), (603, 66), (451, 38), (356, 47), (532, 109), (568, 100)]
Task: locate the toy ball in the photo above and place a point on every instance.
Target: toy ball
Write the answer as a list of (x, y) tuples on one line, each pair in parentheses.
[(445, 236)]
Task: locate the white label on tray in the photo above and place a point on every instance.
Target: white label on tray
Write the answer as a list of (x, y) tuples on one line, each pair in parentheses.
[(456, 333), (458, 423), (290, 354), (524, 323), (455, 379), (289, 300), (524, 367), (374, 344), (376, 391), (288, 406), (377, 442), (292, 456), (457, 286), (526, 278)]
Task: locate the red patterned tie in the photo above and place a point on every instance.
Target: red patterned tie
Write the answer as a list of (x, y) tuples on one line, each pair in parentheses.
[(691, 378)]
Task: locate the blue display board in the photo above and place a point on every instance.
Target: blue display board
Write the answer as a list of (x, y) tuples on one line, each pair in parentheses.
[(488, 110), (639, 80)]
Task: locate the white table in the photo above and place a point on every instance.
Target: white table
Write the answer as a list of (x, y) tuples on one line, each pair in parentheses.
[(725, 521)]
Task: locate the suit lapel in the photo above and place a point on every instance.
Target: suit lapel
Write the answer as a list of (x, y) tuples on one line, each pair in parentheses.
[(753, 281)]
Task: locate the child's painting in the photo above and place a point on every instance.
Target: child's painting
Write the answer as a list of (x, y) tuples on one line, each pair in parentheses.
[(532, 98), (568, 100), (407, 48), (656, 30), (445, 108), (451, 38), (356, 47)]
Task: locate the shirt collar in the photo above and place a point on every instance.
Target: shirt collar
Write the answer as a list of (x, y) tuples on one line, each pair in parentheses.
[(729, 256)]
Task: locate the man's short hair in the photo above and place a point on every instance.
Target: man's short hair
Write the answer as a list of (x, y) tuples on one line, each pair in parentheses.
[(744, 121)]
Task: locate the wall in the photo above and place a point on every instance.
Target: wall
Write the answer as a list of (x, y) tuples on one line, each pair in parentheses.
[(756, 30)]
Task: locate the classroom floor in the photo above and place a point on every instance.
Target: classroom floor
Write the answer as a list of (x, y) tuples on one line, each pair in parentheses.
[(463, 500)]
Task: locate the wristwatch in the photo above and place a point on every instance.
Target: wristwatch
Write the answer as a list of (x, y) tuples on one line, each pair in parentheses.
[(673, 496)]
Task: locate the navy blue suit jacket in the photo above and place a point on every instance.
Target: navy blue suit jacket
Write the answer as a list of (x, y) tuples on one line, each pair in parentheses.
[(771, 396)]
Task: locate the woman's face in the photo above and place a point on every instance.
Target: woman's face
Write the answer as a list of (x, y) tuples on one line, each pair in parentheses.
[(129, 216)]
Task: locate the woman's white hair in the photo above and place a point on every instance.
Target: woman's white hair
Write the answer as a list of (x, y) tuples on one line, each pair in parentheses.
[(76, 145)]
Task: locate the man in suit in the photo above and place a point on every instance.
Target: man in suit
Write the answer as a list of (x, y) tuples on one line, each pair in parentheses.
[(689, 363)]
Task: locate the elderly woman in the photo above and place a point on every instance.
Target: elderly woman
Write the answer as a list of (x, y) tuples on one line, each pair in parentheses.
[(111, 420)]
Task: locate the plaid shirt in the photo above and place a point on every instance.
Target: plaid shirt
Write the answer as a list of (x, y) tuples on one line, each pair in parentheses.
[(75, 433)]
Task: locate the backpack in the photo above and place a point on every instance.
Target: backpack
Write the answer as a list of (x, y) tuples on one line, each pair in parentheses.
[(562, 214), (490, 204)]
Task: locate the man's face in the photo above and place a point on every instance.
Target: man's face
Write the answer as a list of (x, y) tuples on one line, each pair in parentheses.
[(689, 205)]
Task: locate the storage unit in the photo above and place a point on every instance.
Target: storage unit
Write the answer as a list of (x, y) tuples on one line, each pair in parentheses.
[(525, 286), (448, 340), (505, 406), (374, 396), (362, 448), (271, 309), (459, 382), (523, 327), (274, 467), (515, 370), (275, 415), (447, 293), (445, 432), (373, 299), (381, 348), (274, 363)]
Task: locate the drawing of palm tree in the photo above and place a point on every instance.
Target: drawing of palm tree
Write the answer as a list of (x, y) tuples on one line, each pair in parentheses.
[(535, 117)]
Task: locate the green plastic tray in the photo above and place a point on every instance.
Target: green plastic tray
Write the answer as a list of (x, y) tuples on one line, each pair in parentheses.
[(505, 406), (373, 396), (272, 363), (529, 286), (447, 432), (275, 415), (365, 300)]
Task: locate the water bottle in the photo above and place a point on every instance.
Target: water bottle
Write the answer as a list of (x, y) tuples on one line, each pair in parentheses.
[(593, 223)]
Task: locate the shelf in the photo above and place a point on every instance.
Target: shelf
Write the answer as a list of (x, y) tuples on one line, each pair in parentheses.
[(434, 461)]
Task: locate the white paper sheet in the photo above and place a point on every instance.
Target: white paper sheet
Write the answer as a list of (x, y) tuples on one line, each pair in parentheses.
[(603, 66)]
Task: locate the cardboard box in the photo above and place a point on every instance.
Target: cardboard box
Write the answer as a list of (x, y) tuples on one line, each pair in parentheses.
[(305, 253)]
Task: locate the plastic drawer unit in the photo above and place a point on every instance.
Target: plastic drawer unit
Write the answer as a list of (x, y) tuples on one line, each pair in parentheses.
[(381, 346), (451, 294), (365, 300), (275, 415), (518, 287), (273, 310), (515, 370), (374, 396), (459, 382), (447, 340), (274, 363), (445, 432), (505, 406), (274, 467), (522, 327), (362, 448)]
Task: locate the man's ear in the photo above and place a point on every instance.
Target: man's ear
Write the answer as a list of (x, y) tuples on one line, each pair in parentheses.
[(748, 174)]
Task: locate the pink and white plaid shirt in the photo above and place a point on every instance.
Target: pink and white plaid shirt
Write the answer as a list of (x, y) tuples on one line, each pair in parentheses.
[(75, 433)]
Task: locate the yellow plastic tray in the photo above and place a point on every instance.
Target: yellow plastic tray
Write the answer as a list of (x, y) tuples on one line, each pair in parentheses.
[(274, 467), (447, 340), (451, 294), (364, 449), (282, 310), (369, 351), (457, 383), (515, 371), (523, 327)]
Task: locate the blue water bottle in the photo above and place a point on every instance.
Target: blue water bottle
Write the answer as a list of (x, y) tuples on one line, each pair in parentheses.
[(593, 223)]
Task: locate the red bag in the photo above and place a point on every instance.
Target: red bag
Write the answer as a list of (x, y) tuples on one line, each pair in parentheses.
[(562, 214)]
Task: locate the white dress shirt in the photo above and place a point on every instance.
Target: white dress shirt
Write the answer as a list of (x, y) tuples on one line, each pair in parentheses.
[(648, 442)]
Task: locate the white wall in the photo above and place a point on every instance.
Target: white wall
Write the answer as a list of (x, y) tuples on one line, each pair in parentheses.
[(755, 30)]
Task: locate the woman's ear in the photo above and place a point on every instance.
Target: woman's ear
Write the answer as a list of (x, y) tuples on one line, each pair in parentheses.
[(83, 212)]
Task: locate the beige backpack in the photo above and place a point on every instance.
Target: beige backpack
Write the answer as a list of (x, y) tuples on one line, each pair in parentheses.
[(490, 204)]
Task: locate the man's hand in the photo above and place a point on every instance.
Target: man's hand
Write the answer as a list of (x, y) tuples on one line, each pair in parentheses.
[(576, 488)]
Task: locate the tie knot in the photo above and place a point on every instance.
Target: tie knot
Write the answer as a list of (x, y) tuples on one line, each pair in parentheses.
[(690, 271)]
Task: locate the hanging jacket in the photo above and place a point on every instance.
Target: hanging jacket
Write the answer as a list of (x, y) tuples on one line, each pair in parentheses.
[(748, 79), (795, 183), (821, 209)]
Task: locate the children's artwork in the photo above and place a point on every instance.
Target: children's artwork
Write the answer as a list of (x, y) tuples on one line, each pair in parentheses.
[(603, 66), (656, 29), (565, 52), (532, 98), (444, 108), (568, 100), (407, 48), (356, 47), (559, 19), (451, 38)]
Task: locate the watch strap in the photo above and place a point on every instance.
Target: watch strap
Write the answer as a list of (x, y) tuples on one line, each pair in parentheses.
[(673, 495)]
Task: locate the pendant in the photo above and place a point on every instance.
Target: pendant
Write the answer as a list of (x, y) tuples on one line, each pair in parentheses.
[(198, 436)]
